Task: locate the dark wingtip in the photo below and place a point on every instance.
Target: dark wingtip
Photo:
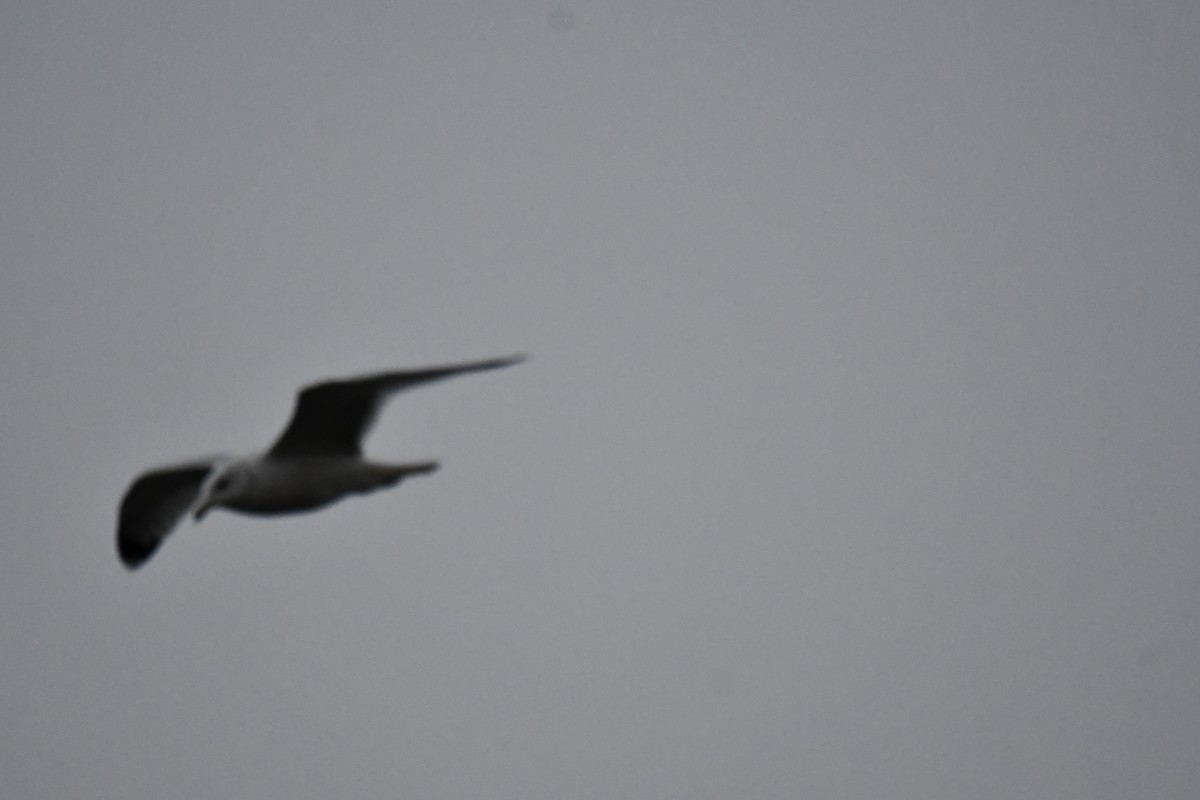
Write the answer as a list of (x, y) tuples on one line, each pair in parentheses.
[(483, 365), (504, 361), (132, 549), (134, 554)]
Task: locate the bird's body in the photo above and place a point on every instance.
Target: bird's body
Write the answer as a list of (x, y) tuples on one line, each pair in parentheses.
[(317, 460), (287, 485)]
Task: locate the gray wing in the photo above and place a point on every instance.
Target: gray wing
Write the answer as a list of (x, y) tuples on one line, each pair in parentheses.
[(153, 505), (331, 418)]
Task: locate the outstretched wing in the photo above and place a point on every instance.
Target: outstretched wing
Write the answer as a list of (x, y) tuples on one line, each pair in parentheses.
[(153, 505), (332, 417)]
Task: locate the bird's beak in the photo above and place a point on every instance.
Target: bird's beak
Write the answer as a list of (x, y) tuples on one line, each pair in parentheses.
[(201, 510)]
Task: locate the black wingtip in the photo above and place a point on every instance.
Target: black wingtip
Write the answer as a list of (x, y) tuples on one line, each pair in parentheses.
[(480, 366), (504, 361), (134, 554)]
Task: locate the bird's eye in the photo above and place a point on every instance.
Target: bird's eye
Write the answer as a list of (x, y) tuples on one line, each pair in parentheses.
[(221, 485)]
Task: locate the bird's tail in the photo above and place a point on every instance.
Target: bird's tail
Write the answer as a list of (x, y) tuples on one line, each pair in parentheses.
[(391, 474)]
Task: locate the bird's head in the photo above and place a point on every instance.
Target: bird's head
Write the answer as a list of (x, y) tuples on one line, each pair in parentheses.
[(225, 483)]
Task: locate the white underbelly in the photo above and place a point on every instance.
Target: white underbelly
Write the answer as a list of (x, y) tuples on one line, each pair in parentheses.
[(287, 485)]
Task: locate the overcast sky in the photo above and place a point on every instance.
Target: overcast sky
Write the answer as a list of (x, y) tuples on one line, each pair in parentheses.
[(858, 455)]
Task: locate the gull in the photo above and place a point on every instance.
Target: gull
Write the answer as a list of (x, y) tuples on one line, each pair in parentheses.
[(317, 460)]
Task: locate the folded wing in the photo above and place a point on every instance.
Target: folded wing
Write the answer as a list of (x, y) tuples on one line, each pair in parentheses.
[(153, 505), (331, 418)]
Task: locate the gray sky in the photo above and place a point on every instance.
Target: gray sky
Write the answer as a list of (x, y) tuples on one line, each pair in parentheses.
[(858, 456)]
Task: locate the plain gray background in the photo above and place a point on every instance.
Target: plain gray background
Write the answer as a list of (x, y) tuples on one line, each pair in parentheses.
[(858, 457)]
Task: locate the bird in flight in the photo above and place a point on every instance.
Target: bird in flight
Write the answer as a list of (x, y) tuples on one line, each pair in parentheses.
[(316, 461)]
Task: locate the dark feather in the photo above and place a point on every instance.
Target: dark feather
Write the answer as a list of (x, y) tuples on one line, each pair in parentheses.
[(153, 505), (331, 418)]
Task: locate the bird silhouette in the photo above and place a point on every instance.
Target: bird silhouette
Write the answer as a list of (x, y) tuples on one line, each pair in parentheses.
[(316, 461)]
